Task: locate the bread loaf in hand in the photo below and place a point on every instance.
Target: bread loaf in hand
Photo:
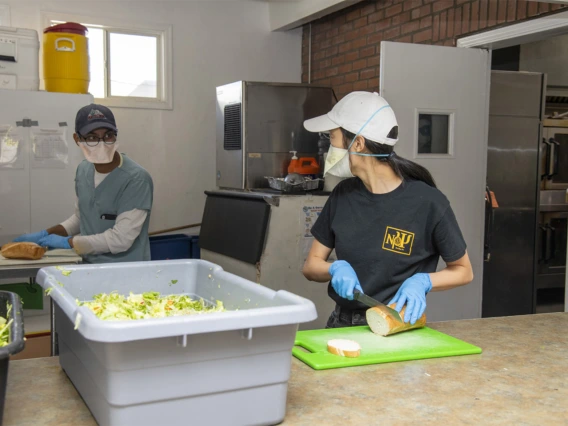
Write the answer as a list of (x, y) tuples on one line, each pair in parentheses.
[(23, 251), (384, 323)]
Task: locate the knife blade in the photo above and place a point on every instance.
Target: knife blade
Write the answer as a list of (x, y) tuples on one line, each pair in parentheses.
[(370, 302)]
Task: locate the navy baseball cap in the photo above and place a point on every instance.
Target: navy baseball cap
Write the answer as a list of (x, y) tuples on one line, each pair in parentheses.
[(92, 117)]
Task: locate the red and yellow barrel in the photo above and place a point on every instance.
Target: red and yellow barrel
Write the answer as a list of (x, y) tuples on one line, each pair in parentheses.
[(66, 58)]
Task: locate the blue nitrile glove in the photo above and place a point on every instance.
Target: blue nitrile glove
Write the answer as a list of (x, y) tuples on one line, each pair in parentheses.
[(413, 292), (344, 279), (31, 238), (55, 242)]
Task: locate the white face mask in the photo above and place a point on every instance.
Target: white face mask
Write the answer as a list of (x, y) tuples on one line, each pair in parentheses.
[(100, 154), (337, 160), (337, 163)]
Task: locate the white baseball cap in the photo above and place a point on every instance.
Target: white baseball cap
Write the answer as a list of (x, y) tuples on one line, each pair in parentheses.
[(363, 113)]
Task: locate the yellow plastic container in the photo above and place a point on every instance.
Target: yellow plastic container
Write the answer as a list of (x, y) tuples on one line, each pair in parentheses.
[(66, 59)]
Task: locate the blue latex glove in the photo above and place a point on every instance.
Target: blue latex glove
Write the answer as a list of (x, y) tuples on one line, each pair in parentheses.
[(31, 238), (55, 242), (344, 279), (413, 292)]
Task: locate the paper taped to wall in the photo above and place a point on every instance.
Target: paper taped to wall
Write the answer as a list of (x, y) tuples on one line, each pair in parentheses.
[(49, 148), (11, 148)]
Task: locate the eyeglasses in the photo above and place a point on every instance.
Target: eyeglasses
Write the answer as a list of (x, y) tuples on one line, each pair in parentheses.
[(93, 140)]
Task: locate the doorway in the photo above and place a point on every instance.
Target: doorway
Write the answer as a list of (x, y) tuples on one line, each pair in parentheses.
[(538, 46)]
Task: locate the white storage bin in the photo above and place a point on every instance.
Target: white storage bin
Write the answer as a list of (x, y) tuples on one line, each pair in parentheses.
[(19, 59), (227, 368)]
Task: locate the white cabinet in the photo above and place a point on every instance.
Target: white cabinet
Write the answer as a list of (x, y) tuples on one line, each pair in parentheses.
[(38, 159)]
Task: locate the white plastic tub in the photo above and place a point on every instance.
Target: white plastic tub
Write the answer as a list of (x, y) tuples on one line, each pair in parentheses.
[(227, 368), (19, 59)]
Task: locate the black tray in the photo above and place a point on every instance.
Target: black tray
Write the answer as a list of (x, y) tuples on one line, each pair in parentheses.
[(16, 339)]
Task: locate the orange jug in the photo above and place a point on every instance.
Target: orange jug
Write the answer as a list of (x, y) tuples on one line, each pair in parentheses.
[(303, 165)]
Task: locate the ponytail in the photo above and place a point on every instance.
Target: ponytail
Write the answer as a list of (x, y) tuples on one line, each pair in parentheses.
[(403, 168)]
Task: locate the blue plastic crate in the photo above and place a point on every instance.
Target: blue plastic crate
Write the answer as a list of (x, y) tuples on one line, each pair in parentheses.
[(195, 250), (177, 246)]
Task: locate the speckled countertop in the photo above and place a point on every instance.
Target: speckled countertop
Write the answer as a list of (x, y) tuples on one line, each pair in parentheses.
[(520, 379)]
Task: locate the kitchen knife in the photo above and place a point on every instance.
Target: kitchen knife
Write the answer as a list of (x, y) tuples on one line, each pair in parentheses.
[(370, 302)]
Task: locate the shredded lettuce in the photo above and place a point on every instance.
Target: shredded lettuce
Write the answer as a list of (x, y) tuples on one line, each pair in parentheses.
[(78, 319), (5, 328), (113, 306), (64, 272)]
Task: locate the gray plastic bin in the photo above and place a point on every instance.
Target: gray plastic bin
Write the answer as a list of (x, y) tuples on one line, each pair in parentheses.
[(227, 368)]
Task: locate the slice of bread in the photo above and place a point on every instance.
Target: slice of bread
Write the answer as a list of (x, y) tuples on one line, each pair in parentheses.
[(343, 347)]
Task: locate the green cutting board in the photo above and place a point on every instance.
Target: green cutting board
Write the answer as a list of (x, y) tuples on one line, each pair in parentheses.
[(311, 347)]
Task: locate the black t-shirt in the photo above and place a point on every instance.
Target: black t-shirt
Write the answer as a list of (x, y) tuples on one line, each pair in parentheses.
[(387, 238)]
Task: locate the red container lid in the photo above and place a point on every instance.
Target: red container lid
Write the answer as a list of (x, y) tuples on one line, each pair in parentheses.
[(68, 27)]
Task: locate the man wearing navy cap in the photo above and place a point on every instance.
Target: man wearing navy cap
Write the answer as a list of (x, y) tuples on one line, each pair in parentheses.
[(114, 198)]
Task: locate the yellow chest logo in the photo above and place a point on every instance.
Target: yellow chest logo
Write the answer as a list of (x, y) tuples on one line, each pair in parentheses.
[(398, 241)]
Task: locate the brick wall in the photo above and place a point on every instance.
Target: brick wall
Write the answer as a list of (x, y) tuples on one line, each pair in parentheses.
[(345, 45)]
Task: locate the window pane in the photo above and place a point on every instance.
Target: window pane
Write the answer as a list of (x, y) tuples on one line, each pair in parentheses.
[(96, 38), (433, 133), (133, 65)]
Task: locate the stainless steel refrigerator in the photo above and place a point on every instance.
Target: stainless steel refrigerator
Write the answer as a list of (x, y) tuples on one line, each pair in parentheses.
[(519, 235)]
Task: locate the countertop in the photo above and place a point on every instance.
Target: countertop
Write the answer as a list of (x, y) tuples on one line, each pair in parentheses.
[(520, 379), (13, 268), (51, 257)]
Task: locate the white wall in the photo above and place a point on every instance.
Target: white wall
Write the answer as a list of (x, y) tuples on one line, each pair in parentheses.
[(285, 15), (215, 42)]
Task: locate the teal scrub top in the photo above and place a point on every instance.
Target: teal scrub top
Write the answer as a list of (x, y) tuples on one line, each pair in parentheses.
[(126, 188)]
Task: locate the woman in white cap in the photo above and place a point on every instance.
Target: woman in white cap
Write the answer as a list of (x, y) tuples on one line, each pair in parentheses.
[(387, 222)]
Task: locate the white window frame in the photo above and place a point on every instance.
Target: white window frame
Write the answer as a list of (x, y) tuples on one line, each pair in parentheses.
[(163, 33), (5, 20), (537, 29), (451, 132)]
